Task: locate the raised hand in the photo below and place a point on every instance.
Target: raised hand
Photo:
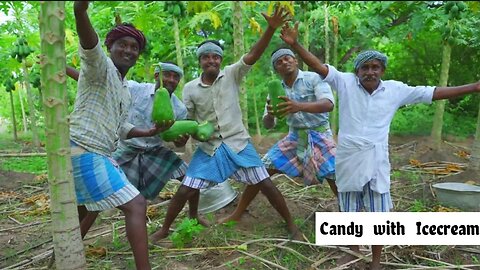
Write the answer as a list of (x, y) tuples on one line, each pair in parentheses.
[(279, 17), (81, 5), (289, 35)]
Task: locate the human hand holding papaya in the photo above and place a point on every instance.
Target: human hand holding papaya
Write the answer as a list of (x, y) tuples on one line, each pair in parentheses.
[(161, 126), (181, 140), (288, 106)]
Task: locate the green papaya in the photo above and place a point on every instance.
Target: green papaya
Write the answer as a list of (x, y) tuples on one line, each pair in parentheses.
[(204, 131), (179, 128), (449, 6), (162, 107), (176, 11), (21, 51), (275, 89), (27, 50), (454, 10), (461, 6)]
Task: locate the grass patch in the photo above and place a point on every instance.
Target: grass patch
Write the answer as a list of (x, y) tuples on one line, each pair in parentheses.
[(35, 165)]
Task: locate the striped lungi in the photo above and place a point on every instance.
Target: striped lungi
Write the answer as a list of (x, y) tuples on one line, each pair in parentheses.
[(100, 184), (149, 169), (367, 199), (307, 153)]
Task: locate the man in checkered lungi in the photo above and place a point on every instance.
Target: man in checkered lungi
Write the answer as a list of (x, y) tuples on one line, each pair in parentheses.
[(213, 97), (146, 161), (308, 151)]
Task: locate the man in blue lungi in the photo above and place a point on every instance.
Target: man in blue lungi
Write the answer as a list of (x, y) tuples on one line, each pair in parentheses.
[(213, 97)]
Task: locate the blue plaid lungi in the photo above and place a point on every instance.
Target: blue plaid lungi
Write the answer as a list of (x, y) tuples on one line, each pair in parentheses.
[(307, 153), (100, 184)]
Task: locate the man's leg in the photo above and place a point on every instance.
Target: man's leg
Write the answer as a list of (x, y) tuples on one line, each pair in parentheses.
[(193, 209), (247, 197), (86, 219), (176, 205), (355, 204), (376, 254), (135, 212), (278, 202), (333, 186)]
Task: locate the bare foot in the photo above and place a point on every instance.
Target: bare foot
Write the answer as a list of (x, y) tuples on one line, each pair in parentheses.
[(202, 221), (296, 234), (158, 235), (229, 218)]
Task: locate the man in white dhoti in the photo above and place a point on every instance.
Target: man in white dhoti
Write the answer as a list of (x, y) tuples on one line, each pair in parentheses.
[(367, 105)]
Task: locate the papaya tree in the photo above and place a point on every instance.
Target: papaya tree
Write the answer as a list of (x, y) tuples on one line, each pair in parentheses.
[(20, 52), (10, 87), (67, 241), (177, 10), (450, 34), (238, 51)]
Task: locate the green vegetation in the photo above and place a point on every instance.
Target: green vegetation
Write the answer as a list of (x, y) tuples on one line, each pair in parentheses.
[(185, 232), (36, 165)]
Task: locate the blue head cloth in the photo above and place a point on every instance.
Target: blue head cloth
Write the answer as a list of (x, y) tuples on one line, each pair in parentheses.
[(209, 47), (279, 53), (169, 67)]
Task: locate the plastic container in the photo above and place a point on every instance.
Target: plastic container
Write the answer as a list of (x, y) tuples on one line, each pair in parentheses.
[(463, 196), (216, 197)]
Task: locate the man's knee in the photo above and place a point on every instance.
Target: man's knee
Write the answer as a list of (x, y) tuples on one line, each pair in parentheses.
[(186, 191), (266, 184), (139, 203)]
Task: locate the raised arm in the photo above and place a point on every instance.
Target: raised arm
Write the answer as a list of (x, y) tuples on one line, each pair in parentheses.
[(289, 35), (86, 34), (455, 91), (278, 18), (72, 73)]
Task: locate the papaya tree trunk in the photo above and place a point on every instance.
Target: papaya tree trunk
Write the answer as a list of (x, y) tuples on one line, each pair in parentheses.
[(436, 135), (474, 162), (255, 111), (306, 35), (178, 50), (22, 108), (334, 113), (14, 121), (326, 33), (67, 241), (31, 105), (238, 51)]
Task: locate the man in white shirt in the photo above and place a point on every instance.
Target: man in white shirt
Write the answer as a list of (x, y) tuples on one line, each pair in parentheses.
[(367, 105)]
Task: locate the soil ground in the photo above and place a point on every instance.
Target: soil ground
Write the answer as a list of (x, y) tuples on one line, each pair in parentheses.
[(25, 222)]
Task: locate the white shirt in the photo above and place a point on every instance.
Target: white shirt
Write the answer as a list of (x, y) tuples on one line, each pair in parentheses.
[(140, 113), (364, 121)]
